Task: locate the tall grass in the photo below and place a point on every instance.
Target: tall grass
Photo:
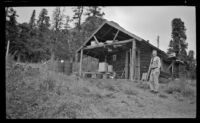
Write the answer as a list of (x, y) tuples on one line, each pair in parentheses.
[(181, 86), (35, 93), (10, 61)]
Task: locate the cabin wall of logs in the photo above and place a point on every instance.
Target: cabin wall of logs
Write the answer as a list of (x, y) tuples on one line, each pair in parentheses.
[(131, 62), (145, 58)]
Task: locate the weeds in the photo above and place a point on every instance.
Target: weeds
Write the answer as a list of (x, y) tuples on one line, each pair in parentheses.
[(130, 92), (143, 85), (69, 110), (48, 84), (10, 61), (163, 96), (182, 87)]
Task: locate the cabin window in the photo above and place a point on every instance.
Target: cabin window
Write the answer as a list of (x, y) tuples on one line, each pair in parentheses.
[(114, 57)]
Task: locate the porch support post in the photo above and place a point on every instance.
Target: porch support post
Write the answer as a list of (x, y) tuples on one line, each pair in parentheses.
[(138, 64), (172, 69), (126, 65), (76, 57), (81, 60), (133, 60), (130, 63)]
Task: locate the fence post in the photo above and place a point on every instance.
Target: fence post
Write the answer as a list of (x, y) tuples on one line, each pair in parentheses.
[(7, 49)]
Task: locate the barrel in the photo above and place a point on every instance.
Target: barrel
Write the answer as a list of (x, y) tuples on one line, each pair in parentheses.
[(67, 67)]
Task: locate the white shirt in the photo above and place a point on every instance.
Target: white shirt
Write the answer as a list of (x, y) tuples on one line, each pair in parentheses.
[(155, 62)]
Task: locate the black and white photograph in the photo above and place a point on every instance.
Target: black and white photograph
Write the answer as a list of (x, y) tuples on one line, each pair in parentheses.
[(100, 62)]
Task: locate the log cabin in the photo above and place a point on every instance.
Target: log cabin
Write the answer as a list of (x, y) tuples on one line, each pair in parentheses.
[(128, 54)]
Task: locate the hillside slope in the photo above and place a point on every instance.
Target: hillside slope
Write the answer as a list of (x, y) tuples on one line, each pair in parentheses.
[(32, 91)]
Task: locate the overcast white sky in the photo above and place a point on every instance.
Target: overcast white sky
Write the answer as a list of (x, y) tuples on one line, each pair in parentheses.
[(146, 22)]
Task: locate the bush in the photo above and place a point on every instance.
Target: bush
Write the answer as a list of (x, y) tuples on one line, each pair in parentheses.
[(175, 86), (143, 85), (130, 92), (10, 61), (188, 92), (182, 87), (32, 71), (48, 84), (68, 109)]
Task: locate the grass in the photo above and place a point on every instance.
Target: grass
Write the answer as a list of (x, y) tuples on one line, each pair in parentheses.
[(143, 85), (131, 92), (33, 92), (42, 93), (163, 96), (48, 84), (181, 86)]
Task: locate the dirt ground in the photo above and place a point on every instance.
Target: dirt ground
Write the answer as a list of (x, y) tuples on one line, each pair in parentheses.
[(140, 103), (73, 97)]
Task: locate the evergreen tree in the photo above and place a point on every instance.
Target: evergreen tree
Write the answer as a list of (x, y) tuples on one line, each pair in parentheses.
[(58, 17), (11, 25), (77, 17), (32, 22), (67, 23), (44, 36), (23, 46), (94, 11), (178, 43), (43, 21), (12, 31), (56, 32)]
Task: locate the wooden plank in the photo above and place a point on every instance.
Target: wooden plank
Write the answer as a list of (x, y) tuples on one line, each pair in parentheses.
[(88, 39), (116, 35), (115, 43), (148, 73), (133, 59), (124, 31), (76, 57), (7, 50), (170, 66), (130, 64), (173, 70), (96, 39), (138, 64), (126, 65), (81, 60)]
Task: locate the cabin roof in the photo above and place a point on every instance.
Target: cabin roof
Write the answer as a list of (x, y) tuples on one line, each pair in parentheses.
[(107, 31)]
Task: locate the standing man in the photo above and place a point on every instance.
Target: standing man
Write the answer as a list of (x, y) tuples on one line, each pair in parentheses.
[(155, 65)]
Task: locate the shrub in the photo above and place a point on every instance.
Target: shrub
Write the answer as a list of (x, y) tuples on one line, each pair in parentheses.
[(10, 61), (68, 109), (130, 92), (32, 71), (143, 85), (111, 88), (48, 84), (163, 96), (188, 92), (175, 86), (182, 87)]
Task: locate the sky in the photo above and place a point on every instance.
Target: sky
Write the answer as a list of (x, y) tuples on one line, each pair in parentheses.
[(147, 22)]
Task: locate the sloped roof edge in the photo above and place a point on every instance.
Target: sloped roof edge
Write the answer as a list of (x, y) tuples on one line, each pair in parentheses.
[(117, 26)]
